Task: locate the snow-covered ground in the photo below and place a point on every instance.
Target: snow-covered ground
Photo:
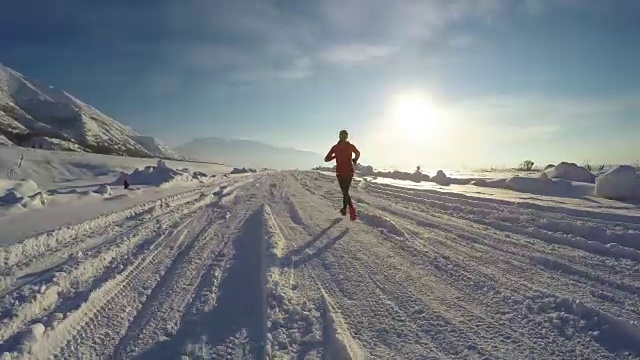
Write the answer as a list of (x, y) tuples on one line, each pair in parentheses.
[(263, 266), (41, 190)]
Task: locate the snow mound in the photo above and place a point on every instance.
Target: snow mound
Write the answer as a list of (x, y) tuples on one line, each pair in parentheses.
[(537, 185), (14, 192), (103, 190), (571, 172), (491, 183), (158, 175), (440, 178), (241, 171), (619, 183)]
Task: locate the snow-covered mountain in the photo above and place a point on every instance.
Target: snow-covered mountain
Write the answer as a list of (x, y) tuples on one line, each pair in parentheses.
[(38, 115), (249, 153)]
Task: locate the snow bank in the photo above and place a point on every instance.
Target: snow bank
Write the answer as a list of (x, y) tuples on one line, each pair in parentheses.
[(103, 190), (47, 168), (10, 189), (540, 185), (241, 171), (619, 183), (571, 172), (491, 183), (21, 194), (441, 178), (158, 175)]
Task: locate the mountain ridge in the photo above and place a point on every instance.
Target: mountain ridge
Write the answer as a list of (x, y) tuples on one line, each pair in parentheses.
[(251, 153), (34, 114)]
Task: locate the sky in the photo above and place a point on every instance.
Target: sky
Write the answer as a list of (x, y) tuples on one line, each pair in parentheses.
[(449, 83)]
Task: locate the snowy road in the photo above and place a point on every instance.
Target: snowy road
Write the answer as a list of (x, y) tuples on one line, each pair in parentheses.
[(264, 267)]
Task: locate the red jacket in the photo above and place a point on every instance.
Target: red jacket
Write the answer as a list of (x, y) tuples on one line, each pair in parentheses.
[(342, 153)]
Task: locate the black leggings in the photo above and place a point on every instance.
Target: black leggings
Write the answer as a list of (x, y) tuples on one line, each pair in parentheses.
[(345, 183)]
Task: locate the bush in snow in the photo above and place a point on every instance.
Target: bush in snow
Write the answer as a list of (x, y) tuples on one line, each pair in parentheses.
[(526, 165), (550, 166), (571, 172), (619, 183)]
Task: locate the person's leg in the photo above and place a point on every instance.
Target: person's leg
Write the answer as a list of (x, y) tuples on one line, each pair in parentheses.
[(347, 186), (344, 187)]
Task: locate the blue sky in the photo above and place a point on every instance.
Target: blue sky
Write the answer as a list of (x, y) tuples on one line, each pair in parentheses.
[(505, 80)]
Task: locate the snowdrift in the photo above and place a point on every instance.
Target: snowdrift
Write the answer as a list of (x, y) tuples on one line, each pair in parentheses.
[(539, 185), (21, 193), (439, 178), (619, 183), (242, 171), (571, 172), (51, 168), (159, 175)]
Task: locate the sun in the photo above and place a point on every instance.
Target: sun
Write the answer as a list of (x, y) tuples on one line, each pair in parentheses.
[(415, 117)]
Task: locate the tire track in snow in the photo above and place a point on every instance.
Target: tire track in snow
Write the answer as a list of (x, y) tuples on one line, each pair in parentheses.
[(74, 282), (158, 317), (623, 342), (158, 263), (603, 294), (164, 317), (229, 299), (471, 257)]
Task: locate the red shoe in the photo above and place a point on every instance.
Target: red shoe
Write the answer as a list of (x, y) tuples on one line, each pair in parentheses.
[(352, 212)]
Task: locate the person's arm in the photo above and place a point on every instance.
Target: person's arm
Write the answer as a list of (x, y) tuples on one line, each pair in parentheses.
[(330, 155), (357, 152)]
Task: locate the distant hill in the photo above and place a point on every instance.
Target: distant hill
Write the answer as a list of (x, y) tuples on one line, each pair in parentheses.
[(248, 153), (38, 115)]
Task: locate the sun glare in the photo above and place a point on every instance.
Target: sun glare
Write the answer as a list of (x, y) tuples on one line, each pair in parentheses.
[(415, 117)]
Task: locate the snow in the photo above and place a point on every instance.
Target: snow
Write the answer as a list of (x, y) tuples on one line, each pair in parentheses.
[(619, 183), (46, 143), (103, 190), (56, 169), (156, 147), (16, 190), (571, 172), (159, 175), (52, 114), (4, 141), (261, 265)]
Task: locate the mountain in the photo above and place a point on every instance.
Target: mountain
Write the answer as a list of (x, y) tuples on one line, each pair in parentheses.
[(248, 153), (33, 114)]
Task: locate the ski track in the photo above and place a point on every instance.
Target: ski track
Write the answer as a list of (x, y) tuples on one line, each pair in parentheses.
[(264, 267)]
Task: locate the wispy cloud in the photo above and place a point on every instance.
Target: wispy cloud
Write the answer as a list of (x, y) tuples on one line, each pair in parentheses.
[(356, 53), (269, 39)]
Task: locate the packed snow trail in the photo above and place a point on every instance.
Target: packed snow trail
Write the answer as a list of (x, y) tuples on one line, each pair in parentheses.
[(264, 267)]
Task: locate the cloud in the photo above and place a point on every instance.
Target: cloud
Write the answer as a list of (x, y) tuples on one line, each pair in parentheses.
[(263, 40), (461, 41), (356, 53)]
